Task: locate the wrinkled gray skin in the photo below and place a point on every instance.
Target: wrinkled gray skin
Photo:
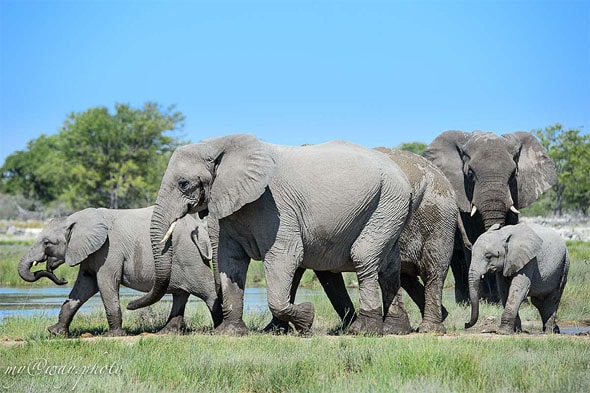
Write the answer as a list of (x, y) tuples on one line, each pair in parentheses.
[(331, 207), (113, 248), (528, 260), (426, 246), (491, 175)]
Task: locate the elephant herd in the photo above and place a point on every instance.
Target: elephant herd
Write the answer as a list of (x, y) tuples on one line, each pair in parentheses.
[(394, 218)]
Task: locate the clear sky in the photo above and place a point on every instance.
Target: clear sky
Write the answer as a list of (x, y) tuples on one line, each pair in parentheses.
[(294, 72)]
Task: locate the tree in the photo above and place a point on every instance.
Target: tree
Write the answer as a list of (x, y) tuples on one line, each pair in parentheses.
[(414, 147), (570, 151), (98, 159), (29, 172)]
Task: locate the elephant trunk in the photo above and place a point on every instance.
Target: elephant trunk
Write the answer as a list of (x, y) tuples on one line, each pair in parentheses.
[(493, 203), (474, 281), (161, 228), (24, 270)]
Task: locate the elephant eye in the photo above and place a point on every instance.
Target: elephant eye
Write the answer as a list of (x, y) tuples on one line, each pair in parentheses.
[(489, 256), (470, 174), (183, 185)]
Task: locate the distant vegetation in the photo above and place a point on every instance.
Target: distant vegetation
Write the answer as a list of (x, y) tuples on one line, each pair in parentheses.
[(116, 160)]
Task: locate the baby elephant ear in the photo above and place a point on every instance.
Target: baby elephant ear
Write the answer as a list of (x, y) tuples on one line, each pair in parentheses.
[(201, 239), (88, 231), (522, 245), (244, 169)]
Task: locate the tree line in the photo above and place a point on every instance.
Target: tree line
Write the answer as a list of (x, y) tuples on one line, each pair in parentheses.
[(116, 160)]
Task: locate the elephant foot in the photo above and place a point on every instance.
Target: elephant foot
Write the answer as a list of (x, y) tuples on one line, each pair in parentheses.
[(431, 327), (303, 319), (278, 326), (397, 324), (117, 332), (238, 328), (174, 326), (367, 324), (505, 330), (59, 330)]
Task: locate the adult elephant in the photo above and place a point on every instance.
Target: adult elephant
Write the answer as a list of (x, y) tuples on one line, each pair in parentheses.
[(330, 207), (426, 247), (493, 176), (112, 248)]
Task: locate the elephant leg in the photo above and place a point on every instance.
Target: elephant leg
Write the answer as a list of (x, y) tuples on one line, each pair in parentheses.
[(460, 269), (517, 292), (233, 265), (277, 325), (175, 323), (396, 319), (434, 312), (280, 274), (108, 284), (547, 307), (84, 288), (333, 284)]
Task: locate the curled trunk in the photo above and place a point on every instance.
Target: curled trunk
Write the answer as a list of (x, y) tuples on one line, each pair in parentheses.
[(162, 252), (24, 271)]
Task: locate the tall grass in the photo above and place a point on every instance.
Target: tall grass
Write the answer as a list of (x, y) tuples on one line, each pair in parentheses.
[(261, 363)]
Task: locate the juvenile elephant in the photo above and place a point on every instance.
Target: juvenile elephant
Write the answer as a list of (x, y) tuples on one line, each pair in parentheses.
[(426, 246), (493, 176), (528, 260), (112, 248), (330, 207)]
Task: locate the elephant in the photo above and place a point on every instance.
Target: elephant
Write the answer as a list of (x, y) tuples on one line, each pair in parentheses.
[(335, 207), (528, 260), (493, 176), (426, 246), (112, 247)]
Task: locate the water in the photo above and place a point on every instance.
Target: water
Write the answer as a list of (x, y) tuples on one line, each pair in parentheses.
[(47, 301)]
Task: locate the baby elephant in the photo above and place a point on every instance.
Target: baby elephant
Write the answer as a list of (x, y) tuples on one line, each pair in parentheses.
[(529, 260), (113, 247)]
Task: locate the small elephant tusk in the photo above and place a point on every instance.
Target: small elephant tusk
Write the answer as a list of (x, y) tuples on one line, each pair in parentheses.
[(473, 210), (34, 263), (169, 233), (514, 210), (482, 276)]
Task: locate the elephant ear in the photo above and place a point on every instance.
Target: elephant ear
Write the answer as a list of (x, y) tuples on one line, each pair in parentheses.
[(536, 171), (88, 231), (522, 245), (201, 239), (244, 168), (446, 152)]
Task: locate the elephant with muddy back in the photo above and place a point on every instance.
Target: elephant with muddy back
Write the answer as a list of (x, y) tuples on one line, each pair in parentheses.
[(331, 207), (493, 176), (112, 248), (426, 247), (528, 260)]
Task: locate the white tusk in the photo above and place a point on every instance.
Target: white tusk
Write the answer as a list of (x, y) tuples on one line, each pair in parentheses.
[(473, 210), (514, 210), (482, 276), (169, 233), (35, 263)]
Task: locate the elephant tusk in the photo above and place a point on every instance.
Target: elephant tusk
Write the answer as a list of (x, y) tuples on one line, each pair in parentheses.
[(473, 210), (169, 233), (482, 276), (514, 210), (34, 263)]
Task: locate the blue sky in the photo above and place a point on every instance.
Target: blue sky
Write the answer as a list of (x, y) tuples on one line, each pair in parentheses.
[(293, 72)]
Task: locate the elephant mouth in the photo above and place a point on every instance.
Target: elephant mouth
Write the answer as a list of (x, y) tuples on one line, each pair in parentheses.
[(51, 263)]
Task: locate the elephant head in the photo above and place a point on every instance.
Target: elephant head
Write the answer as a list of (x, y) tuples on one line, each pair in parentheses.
[(493, 175), (215, 177), (503, 250), (69, 240)]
